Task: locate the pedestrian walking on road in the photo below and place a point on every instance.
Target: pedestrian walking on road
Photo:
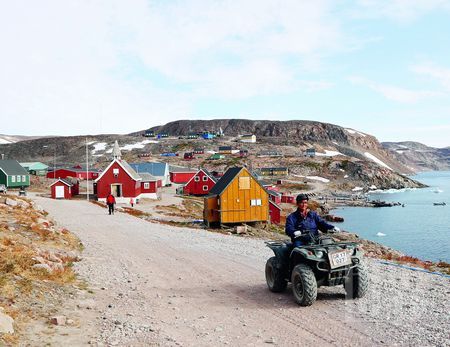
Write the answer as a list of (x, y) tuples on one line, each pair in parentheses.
[(110, 201), (131, 202)]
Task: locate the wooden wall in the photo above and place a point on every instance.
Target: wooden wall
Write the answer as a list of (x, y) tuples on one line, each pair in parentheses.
[(235, 201)]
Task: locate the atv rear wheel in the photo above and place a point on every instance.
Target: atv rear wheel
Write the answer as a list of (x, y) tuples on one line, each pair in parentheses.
[(274, 276), (304, 285), (357, 282)]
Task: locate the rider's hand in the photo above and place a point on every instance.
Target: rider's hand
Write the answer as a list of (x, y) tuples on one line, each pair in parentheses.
[(336, 230), (297, 233)]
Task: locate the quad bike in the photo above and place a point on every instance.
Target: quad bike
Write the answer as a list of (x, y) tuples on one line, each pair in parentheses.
[(321, 262)]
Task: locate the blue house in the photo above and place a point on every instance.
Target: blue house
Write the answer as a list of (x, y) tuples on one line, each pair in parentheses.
[(157, 169), (208, 136)]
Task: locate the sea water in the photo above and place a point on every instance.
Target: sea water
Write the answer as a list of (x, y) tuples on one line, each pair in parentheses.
[(419, 229)]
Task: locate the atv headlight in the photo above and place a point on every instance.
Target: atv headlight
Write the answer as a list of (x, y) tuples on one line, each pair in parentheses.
[(319, 254)]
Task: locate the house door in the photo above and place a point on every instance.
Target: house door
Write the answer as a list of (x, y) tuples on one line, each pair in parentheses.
[(59, 192), (116, 190)]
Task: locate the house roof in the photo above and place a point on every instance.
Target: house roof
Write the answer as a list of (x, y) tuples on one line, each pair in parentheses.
[(66, 181), (273, 168), (274, 204), (74, 169), (224, 148), (174, 168), (146, 177), (128, 169), (12, 167), (207, 173), (154, 168), (34, 165), (273, 192), (225, 180)]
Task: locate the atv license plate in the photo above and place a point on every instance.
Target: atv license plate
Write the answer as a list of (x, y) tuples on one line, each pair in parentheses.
[(339, 258)]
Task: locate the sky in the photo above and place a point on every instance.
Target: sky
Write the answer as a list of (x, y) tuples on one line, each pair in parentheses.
[(110, 66)]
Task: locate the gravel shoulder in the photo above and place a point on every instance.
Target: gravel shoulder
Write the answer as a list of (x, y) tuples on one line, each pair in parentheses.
[(154, 284)]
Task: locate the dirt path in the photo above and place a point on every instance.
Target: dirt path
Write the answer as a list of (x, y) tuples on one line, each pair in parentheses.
[(158, 285)]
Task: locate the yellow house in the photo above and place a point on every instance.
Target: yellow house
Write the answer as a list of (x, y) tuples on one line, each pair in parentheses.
[(236, 198)]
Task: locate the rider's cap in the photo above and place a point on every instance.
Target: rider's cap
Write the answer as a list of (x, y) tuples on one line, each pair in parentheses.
[(301, 197)]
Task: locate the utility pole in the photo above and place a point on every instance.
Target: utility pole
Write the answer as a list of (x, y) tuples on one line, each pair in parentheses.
[(87, 171)]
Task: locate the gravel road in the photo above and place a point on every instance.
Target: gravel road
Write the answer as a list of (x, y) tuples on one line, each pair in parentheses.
[(160, 285)]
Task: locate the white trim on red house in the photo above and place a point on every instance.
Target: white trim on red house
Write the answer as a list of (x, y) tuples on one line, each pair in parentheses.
[(199, 177), (118, 162), (60, 180)]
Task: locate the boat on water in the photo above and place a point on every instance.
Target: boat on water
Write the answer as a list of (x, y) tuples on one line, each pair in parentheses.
[(439, 203)]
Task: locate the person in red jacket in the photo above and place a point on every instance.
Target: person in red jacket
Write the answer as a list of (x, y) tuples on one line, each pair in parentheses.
[(110, 201)]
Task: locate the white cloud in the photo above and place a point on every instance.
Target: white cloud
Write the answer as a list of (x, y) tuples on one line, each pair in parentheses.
[(395, 93), (98, 63), (441, 74), (402, 11)]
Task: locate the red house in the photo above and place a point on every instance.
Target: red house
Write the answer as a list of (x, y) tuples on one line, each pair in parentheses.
[(274, 196), (289, 199), (73, 172), (274, 212), (200, 184), (180, 174), (149, 186), (64, 188), (120, 179)]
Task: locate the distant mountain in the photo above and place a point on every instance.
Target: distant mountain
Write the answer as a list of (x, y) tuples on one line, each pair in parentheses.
[(4, 139), (418, 156)]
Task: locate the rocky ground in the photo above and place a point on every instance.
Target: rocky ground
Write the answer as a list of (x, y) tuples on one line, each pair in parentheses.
[(153, 284)]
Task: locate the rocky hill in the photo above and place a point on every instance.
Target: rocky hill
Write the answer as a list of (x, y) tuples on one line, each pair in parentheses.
[(346, 157), (419, 156)]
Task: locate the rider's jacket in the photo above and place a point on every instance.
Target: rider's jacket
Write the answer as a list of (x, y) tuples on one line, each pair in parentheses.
[(312, 222)]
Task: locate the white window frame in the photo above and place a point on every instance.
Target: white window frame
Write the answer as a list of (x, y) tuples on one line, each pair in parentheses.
[(24, 179), (197, 179), (205, 178), (146, 185), (205, 188), (255, 202), (116, 172), (19, 179), (13, 179)]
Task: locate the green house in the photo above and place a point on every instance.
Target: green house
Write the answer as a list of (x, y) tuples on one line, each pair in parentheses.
[(216, 156), (13, 175), (35, 168)]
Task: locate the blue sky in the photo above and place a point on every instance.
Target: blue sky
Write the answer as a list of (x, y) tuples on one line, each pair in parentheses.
[(88, 67)]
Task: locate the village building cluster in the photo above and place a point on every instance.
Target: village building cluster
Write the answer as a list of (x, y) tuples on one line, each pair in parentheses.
[(238, 195)]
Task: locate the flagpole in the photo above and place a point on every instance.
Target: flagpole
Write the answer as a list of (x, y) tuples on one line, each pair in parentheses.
[(87, 171)]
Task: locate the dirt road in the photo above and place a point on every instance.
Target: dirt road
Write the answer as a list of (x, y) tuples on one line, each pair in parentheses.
[(159, 285)]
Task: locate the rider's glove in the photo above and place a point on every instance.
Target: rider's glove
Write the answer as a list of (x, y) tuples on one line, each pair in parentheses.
[(336, 230), (297, 233)]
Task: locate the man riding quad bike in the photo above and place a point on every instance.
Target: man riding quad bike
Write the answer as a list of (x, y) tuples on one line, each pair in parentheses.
[(311, 260)]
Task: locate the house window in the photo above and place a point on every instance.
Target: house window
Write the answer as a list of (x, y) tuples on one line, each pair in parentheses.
[(23, 178), (13, 179), (18, 179), (205, 188), (255, 202), (205, 178), (244, 182), (116, 172), (146, 185), (197, 179)]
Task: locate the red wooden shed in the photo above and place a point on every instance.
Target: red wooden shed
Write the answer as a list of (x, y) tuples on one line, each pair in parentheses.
[(64, 188), (181, 174), (200, 184), (289, 199), (73, 172), (274, 212)]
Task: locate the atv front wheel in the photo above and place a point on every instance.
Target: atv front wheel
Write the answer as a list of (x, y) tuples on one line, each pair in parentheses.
[(357, 283), (304, 285), (274, 276)]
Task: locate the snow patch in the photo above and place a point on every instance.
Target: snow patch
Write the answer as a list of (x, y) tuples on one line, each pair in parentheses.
[(376, 160), (402, 146), (357, 189), (329, 153), (399, 151), (100, 146), (139, 145), (381, 234), (3, 141), (373, 187), (346, 176), (316, 178), (354, 132)]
